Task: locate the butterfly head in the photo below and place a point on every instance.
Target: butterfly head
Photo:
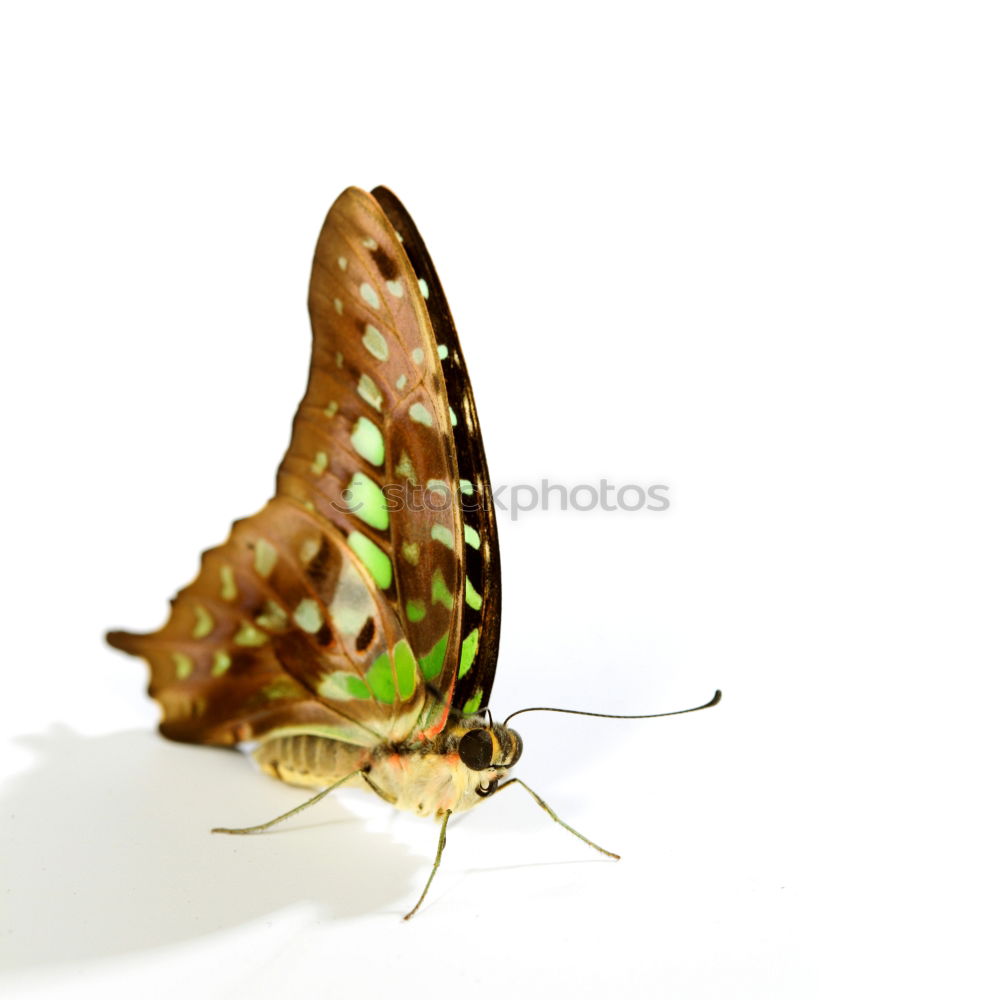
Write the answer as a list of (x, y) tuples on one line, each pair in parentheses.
[(490, 751)]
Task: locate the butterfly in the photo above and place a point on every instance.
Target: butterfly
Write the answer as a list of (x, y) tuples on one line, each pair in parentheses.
[(349, 630)]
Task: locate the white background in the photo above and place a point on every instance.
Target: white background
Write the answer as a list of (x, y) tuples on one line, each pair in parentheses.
[(747, 250)]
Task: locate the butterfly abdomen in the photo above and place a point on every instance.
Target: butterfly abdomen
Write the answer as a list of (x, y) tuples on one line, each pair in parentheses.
[(310, 761)]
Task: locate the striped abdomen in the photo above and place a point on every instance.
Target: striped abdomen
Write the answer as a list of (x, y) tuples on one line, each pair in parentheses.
[(310, 761)]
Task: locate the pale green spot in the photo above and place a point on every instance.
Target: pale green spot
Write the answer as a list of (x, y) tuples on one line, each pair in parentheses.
[(274, 617), (438, 486), (417, 354), (411, 552), (401, 382), (342, 686), (320, 462), (419, 414), (380, 680), (442, 351), (375, 343), (308, 616), (404, 468), (338, 359), (395, 288), (375, 560), (367, 501), (248, 635), (221, 662), (281, 688), (203, 623), (451, 415), (439, 533), (416, 610), (369, 392), (352, 603), (440, 593), (406, 669), (431, 664), (470, 645), (472, 537), (368, 442), (265, 556), (182, 665), (466, 487), (472, 705), (309, 505), (228, 588), (471, 597), (308, 550), (424, 290), (370, 295), (342, 263), (369, 244), (339, 306), (331, 408)]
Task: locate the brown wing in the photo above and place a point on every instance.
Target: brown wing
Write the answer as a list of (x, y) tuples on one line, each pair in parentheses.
[(376, 422), (371, 472), (281, 629)]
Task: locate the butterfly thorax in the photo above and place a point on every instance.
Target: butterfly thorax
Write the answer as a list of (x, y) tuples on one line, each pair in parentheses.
[(453, 772)]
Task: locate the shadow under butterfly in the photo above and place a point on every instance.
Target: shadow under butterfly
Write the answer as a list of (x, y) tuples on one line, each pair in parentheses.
[(350, 629)]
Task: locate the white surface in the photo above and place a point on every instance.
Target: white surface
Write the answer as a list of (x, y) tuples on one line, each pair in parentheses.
[(746, 250)]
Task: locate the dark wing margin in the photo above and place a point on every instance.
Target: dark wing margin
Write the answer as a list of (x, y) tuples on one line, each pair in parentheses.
[(481, 609)]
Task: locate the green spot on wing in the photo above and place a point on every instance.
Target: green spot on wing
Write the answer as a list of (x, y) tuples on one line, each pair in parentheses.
[(472, 705), (220, 663), (264, 556), (470, 645), (367, 501), (249, 636), (369, 391), (375, 343), (342, 686), (443, 535), (471, 537), (416, 610), (368, 442), (440, 594), (406, 670), (419, 414), (471, 597), (431, 664), (380, 680), (203, 622), (182, 665), (376, 561), (273, 617), (308, 616), (228, 588)]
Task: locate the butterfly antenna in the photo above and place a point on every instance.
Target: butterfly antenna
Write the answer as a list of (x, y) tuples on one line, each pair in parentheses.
[(716, 698)]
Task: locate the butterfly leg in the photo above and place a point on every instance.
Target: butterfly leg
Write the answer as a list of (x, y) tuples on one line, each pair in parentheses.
[(437, 862), (548, 809), (291, 812)]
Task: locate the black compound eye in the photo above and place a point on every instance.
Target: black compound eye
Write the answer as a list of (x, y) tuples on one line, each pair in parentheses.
[(475, 749), (518, 747)]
